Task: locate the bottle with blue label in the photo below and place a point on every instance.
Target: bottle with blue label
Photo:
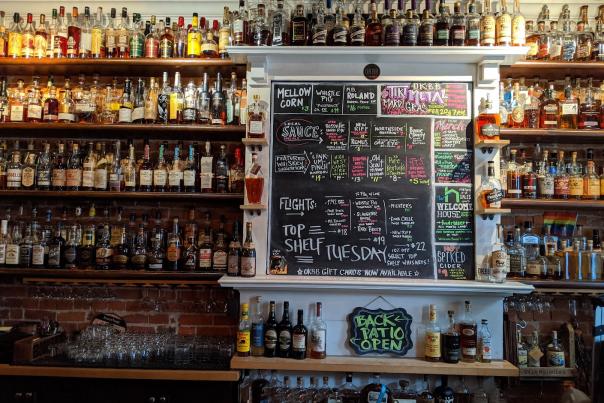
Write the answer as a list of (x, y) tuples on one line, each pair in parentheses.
[(258, 330), (555, 353)]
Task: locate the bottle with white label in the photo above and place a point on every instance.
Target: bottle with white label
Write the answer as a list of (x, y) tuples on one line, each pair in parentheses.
[(206, 169), (467, 329), (484, 345), (318, 335), (3, 241), (13, 246)]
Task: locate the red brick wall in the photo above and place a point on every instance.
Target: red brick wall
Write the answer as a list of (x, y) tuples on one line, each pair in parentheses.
[(145, 309)]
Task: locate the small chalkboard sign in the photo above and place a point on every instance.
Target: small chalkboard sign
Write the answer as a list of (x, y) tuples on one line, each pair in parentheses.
[(380, 331)]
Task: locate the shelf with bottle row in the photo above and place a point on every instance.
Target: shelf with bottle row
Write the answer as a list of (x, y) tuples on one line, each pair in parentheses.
[(552, 135), (120, 373), (552, 69), (192, 67), (102, 131), (114, 277), (416, 366), (86, 194), (557, 204), (566, 286)]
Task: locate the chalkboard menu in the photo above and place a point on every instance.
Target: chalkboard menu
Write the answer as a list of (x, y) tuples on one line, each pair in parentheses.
[(371, 180)]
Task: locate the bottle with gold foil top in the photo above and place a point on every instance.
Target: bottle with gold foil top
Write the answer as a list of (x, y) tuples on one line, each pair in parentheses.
[(575, 181), (503, 26), (194, 38), (487, 26), (432, 347), (518, 26)]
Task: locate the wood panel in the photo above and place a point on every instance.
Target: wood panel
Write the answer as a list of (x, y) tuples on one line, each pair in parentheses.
[(92, 195), (381, 365)]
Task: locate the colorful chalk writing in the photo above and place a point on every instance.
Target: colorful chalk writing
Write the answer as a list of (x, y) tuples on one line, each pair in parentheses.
[(424, 99), (379, 331)]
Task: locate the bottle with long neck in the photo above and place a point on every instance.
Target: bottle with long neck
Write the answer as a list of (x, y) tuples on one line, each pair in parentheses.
[(467, 329)]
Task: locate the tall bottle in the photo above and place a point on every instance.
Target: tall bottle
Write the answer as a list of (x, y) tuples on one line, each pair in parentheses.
[(503, 26), (284, 332), (174, 249), (271, 337), (248, 254), (411, 27), (467, 329), (555, 356), (518, 26), (257, 332), (458, 26), (426, 28), (451, 341), (432, 347), (318, 335), (299, 338), (244, 332)]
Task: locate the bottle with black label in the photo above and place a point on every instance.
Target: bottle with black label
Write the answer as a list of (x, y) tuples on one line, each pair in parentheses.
[(270, 333), (25, 248), (86, 251), (104, 250), (55, 250), (121, 252), (299, 338), (70, 254), (156, 255), (451, 342), (284, 332)]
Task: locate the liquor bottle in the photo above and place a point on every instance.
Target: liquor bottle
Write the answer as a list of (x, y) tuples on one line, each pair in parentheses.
[(4, 101), (411, 27), (284, 332), (503, 26), (43, 169), (244, 332), (28, 172), (589, 110), (248, 254), (426, 28), (357, 30), (457, 37), (101, 170), (156, 254), (521, 351), (129, 170), (59, 167), (575, 180), (340, 33), (490, 191), (166, 42), (138, 258), (123, 36), (219, 254), (175, 171), (18, 103), (28, 38), (114, 172), (189, 171), (97, 36), (160, 172), (500, 259), (177, 101), (534, 351), (138, 104), (56, 248), (561, 180), (299, 26), (181, 39), (472, 26), (74, 34), (141, 44), (221, 171), (372, 392), (163, 100), (585, 37), (554, 266), (234, 253), (205, 248), (451, 342), (85, 43), (432, 346), (209, 46), (374, 29), (518, 26), (591, 182), (174, 249), (443, 393), (488, 23), (257, 330), (189, 114), (531, 110), (467, 329), (271, 336), (299, 338), (25, 248), (555, 354), (529, 182), (517, 254), (73, 173), (15, 37), (86, 250), (569, 109), (151, 102), (485, 352), (217, 107), (550, 110), (194, 38)]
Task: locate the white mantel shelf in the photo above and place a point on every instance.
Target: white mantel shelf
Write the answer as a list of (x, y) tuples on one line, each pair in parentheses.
[(411, 54), (312, 284)]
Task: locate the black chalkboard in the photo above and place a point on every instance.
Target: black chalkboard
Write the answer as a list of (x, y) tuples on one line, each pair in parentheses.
[(356, 179)]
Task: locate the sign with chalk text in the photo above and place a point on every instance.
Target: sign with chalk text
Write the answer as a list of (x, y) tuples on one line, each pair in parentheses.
[(371, 180), (379, 331)]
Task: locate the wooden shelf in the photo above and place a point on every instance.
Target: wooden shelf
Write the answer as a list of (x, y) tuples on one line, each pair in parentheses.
[(490, 145), (378, 365), (125, 277), (547, 372), (97, 131), (121, 373), (552, 69), (556, 204), (254, 142), (567, 286), (120, 67), (488, 211), (253, 208), (552, 135), (83, 194)]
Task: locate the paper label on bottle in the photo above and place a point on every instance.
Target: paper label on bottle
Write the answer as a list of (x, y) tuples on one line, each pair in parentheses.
[(593, 187), (494, 198), (138, 113), (504, 28), (534, 357), (12, 254), (487, 30), (175, 178), (285, 340), (68, 117), (146, 177), (125, 115), (16, 113), (233, 265), (570, 109), (28, 176), (432, 344), (373, 396), (270, 339), (575, 186), (256, 127), (173, 253), (489, 130), (555, 359), (88, 177), (37, 255), (299, 342), (486, 353), (58, 177), (189, 178), (2, 253), (318, 340), (34, 111), (522, 358), (159, 177), (100, 179), (13, 177), (73, 177), (243, 341), (248, 266), (533, 268), (404, 400), (205, 172)]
